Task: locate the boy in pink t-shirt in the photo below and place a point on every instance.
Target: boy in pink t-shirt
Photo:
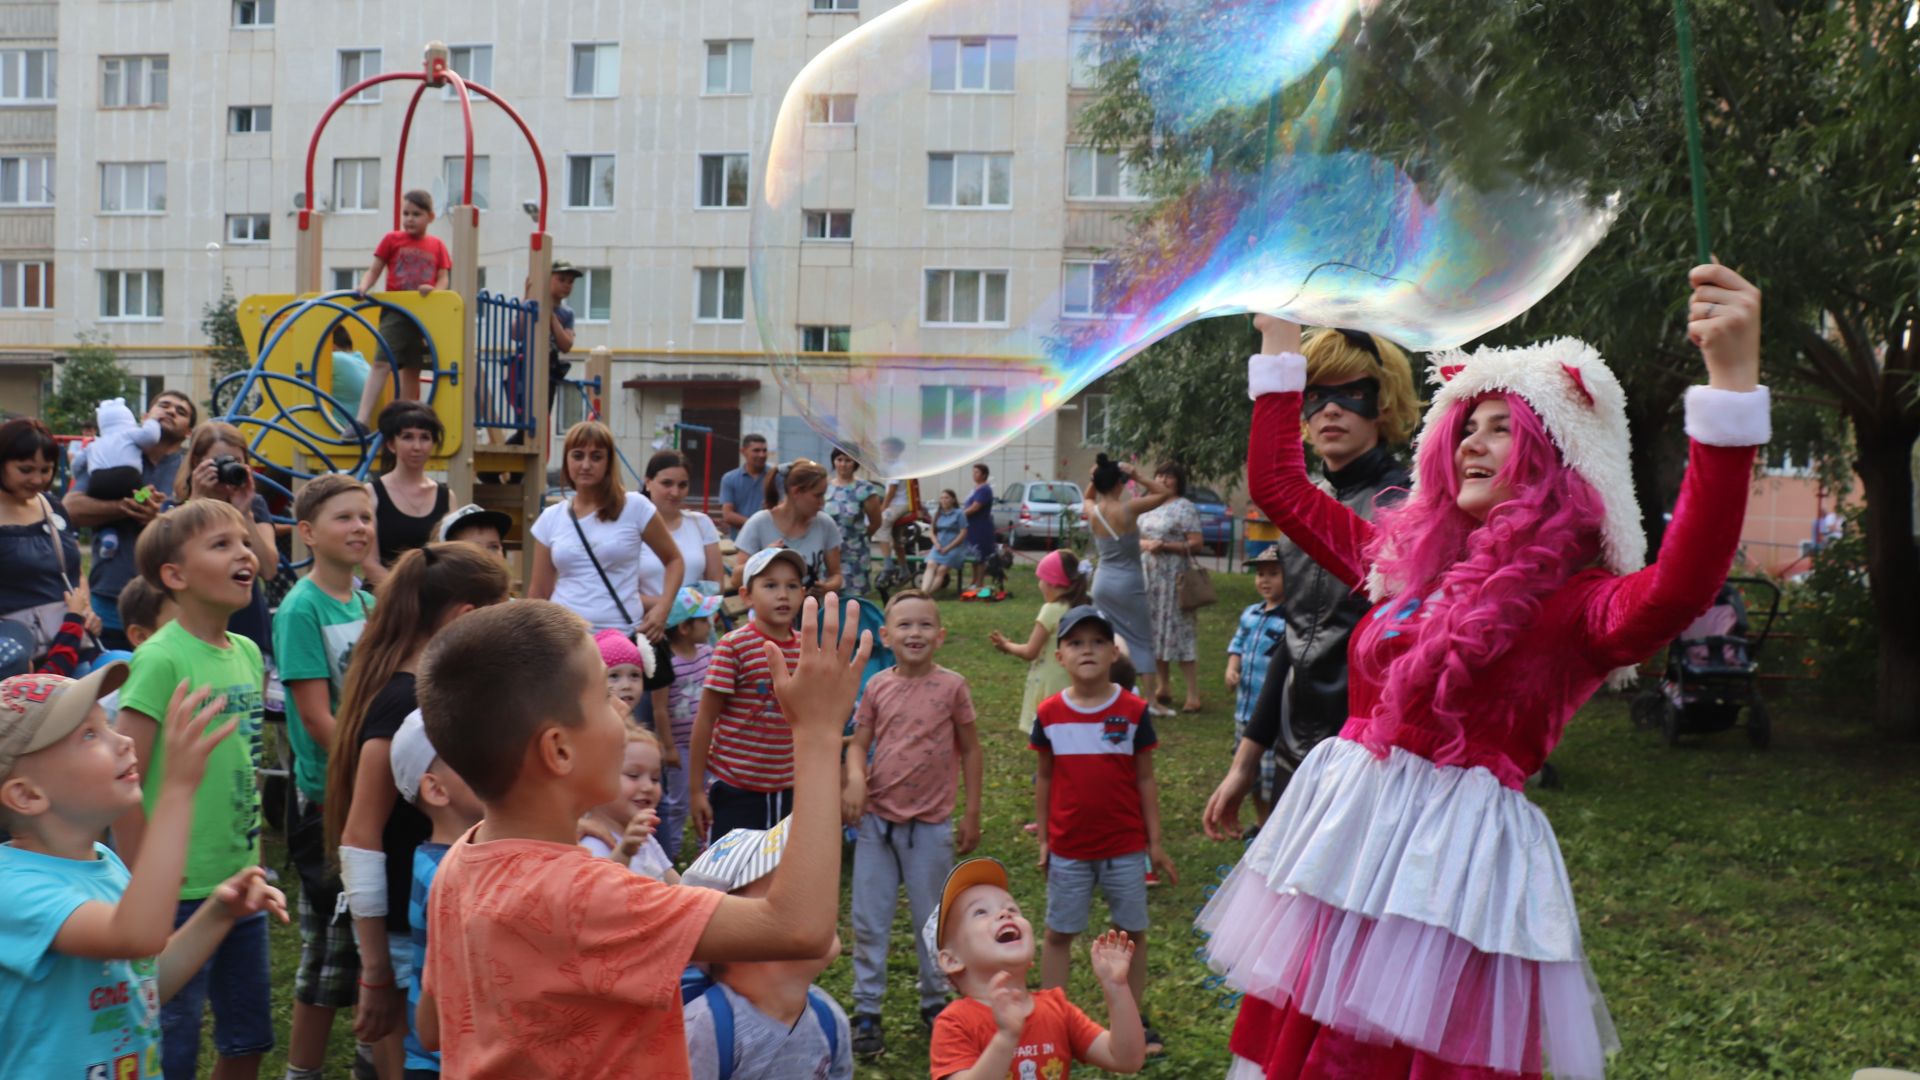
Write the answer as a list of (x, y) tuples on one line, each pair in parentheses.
[(916, 718), (543, 960), (411, 260)]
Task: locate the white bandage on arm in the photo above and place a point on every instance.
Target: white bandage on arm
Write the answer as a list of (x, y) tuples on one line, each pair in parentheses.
[(364, 873)]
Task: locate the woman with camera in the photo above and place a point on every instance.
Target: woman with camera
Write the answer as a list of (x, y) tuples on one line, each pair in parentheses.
[(216, 468)]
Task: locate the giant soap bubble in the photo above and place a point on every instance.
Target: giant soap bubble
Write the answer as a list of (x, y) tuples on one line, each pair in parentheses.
[(974, 208)]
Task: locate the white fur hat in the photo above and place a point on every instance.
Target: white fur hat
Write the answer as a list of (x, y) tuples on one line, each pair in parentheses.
[(1583, 409)]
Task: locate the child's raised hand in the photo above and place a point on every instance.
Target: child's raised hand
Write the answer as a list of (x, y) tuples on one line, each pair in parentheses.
[(1012, 1002), (1112, 956), (79, 601), (817, 694), (247, 893), (638, 830), (187, 741)]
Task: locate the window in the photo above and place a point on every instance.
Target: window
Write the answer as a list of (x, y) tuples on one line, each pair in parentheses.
[(589, 181), (26, 180), (833, 5), (356, 185), (830, 108), (133, 82), (593, 295), (1093, 420), (826, 338), (249, 228), (976, 180), (723, 181), (249, 119), (252, 13), (966, 297), (130, 294), (357, 64), (722, 294), (474, 63), (347, 277), (829, 224), (973, 65), (961, 413), (596, 70), (135, 187), (1085, 290), (1100, 174), (1091, 51), (453, 178), (26, 76), (26, 286), (729, 67)]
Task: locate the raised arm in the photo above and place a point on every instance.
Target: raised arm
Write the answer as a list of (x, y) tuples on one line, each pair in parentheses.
[(1330, 534)]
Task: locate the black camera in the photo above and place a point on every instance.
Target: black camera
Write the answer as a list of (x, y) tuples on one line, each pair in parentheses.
[(230, 471)]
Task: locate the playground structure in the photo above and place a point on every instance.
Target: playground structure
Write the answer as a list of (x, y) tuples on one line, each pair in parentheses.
[(485, 372)]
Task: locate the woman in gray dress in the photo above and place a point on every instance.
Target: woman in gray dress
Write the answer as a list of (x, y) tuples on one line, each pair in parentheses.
[(1119, 586), (1169, 537)]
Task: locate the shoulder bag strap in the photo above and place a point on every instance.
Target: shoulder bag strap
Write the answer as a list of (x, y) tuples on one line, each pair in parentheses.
[(817, 1001), (595, 559), (60, 558), (722, 1012)]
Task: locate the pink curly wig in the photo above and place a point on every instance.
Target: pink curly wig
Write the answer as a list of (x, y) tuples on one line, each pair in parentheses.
[(1490, 577)]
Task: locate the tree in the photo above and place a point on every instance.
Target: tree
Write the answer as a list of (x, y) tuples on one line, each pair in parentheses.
[(220, 321), (1166, 402), (90, 374)]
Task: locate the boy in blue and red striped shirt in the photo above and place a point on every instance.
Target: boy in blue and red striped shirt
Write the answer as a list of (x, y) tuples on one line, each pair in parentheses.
[(740, 735), (1096, 801)]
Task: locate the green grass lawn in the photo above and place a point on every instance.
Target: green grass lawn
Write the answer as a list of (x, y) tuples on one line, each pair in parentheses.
[(1748, 914)]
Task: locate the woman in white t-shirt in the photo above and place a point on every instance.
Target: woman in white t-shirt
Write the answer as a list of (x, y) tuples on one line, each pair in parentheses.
[(602, 522), (693, 532)]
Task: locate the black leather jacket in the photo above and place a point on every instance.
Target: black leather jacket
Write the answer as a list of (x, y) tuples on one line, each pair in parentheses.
[(1309, 703)]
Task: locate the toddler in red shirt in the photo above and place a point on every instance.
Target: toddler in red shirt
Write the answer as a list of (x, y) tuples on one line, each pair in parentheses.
[(411, 260), (998, 1028)]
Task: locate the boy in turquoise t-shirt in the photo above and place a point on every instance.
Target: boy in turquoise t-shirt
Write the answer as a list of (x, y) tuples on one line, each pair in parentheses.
[(199, 554), (314, 633)]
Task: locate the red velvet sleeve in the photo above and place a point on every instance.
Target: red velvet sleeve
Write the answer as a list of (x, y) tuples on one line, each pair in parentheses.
[(1330, 534), (1630, 617)]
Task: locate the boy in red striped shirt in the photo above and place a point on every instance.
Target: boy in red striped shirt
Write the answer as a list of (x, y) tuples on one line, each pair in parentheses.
[(740, 734)]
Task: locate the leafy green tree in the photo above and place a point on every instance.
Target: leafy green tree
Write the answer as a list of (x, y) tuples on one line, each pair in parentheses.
[(90, 374), (220, 322)]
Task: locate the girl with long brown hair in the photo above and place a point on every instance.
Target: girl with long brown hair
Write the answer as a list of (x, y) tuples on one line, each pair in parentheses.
[(371, 830)]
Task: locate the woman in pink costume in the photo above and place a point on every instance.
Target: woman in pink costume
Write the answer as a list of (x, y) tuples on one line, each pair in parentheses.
[(1405, 912)]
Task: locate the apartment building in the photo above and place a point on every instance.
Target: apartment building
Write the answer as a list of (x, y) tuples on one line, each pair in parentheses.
[(155, 153)]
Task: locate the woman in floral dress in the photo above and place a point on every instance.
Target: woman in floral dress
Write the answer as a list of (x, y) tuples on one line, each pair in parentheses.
[(854, 505), (1169, 537)]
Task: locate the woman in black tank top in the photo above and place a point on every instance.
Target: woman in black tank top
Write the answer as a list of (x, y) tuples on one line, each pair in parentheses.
[(409, 433)]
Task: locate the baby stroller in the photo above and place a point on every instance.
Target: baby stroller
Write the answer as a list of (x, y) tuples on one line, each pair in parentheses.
[(1711, 673)]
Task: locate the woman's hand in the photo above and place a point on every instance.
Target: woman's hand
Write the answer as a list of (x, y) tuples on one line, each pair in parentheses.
[(1723, 321), (79, 600), (653, 619)]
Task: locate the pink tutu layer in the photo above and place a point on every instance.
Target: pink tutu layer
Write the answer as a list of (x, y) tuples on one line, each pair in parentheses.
[(1396, 980)]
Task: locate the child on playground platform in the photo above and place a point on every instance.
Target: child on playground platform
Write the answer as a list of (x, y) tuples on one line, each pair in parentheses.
[(199, 555), (1259, 638), (411, 260), (916, 719), (1063, 586), (426, 781), (630, 817), (762, 1020), (1096, 801), (689, 625), (88, 952), (314, 633), (740, 733), (999, 1028), (525, 925)]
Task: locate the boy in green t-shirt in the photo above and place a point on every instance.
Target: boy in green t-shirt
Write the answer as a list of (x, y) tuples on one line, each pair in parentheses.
[(314, 633), (199, 555)]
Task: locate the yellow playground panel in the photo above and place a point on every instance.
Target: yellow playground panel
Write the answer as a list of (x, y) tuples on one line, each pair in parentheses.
[(303, 352)]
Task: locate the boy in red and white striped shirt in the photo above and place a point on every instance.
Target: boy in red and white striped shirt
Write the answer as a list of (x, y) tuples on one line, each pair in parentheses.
[(740, 734)]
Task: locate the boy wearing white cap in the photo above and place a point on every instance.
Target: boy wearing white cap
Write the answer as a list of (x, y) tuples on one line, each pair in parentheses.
[(88, 951), (475, 524), (999, 1028), (429, 783), (752, 1022)]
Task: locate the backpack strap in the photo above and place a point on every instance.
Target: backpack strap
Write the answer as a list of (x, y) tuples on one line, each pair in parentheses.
[(829, 1026), (722, 1011)]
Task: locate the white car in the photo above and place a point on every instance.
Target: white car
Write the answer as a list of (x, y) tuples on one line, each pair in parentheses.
[(1030, 510)]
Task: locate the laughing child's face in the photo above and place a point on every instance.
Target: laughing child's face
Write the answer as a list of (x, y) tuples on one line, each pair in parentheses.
[(985, 935), (640, 776), (626, 683), (913, 630)]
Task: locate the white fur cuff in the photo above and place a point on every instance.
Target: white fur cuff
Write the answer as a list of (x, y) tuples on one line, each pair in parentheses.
[(1729, 417), (1275, 374)]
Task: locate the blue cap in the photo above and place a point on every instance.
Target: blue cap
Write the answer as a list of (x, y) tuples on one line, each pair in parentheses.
[(1079, 615)]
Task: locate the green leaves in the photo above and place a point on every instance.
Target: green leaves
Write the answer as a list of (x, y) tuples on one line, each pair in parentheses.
[(90, 374)]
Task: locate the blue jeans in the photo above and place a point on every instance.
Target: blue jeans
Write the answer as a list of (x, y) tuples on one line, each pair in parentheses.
[(236, 982)]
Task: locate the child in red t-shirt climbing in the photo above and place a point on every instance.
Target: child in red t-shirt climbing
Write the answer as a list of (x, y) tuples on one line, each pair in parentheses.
[(411, 260)]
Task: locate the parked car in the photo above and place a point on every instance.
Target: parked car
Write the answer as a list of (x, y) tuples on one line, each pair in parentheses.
[(1029, 511), (1216, 518)]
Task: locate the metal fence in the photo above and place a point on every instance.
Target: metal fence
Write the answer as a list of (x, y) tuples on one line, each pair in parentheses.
[(507, 327)]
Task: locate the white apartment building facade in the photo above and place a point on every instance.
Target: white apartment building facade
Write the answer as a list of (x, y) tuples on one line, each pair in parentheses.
[(160, 146)]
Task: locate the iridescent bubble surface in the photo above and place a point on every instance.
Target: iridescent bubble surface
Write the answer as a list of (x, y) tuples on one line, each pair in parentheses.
[(971, 209)]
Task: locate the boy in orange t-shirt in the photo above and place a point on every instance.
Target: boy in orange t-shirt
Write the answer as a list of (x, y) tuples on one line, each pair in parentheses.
[(998, 1026), (543, 960)]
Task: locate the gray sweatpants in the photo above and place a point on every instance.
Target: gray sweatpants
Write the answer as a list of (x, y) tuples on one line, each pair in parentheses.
[(886, 855)]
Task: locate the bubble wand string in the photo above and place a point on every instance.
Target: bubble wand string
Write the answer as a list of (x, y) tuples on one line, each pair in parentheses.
[(1690, 102)]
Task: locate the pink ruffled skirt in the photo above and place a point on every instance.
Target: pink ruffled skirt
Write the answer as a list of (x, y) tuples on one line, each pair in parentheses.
[(1400, 904)]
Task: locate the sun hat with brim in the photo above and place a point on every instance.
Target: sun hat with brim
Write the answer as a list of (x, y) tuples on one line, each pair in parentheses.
[(738, 859), (40, 709), (562, 266), (961, 878), (691, 603), (471, 515)]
